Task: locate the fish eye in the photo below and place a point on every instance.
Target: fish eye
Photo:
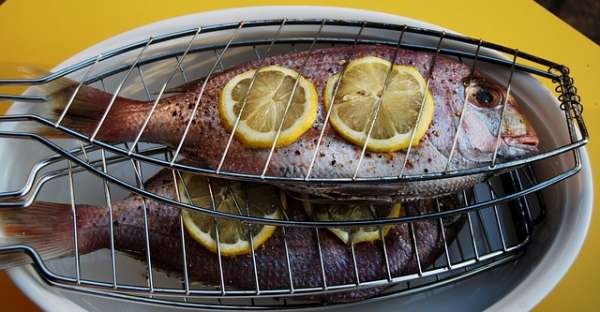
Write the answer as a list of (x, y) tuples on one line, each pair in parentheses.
[(484, 95)]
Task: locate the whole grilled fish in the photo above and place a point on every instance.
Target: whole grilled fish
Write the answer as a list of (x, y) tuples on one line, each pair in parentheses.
[(48, 228), (336, 158)]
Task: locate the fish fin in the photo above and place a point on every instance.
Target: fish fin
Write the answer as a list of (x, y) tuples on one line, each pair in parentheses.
[(183, 88), (84, 112), (46, 227), (187, 87), (173, 90)]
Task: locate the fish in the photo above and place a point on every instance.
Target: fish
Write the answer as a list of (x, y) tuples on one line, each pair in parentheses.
[(450, 82), (48, 227)]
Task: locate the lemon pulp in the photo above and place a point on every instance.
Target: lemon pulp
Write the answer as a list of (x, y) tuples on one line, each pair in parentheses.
[(264, 97), (234, 237), (353, 212), (362, 88)]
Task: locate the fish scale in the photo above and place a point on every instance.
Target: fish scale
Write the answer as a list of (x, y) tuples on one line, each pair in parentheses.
[(165, 246)]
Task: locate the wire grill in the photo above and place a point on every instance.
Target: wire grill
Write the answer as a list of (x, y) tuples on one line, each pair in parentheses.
[(282, 36), (499, 215), (139, 59), (490, 237)]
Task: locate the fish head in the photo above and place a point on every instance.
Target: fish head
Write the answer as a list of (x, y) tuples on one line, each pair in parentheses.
[(491, 108)]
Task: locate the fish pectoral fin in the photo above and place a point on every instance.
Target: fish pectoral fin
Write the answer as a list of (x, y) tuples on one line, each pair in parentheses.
[(173, 90), (186, 87)]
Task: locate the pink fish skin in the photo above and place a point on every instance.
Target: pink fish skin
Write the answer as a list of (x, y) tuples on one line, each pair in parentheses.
[(48, 227), (336, 158)]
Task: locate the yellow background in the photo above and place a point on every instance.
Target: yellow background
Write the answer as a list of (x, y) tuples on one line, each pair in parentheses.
[(43, 33)]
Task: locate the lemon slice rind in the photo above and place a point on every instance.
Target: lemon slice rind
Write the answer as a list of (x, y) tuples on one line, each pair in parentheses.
[(253, 138), (242, 245), (400, 140), (359, 236)]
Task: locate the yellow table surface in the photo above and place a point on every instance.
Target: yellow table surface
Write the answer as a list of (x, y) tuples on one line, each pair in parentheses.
[(43, 33)]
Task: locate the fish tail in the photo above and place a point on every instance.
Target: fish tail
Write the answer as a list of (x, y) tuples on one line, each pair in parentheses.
[(46, 227), (81, 113)]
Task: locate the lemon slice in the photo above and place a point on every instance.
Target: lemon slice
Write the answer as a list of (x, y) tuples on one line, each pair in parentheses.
[(356, 99), (235, 237), (265, 106), (354, 211)]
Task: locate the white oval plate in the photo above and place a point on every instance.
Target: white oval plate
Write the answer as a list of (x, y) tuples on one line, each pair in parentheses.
[(518, 286)]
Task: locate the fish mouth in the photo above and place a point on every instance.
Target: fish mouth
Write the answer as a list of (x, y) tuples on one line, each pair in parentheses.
[(525, 142), (515, 147)]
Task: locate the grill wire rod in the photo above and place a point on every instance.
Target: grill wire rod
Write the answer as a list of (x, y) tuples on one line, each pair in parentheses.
[(499, 215)]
